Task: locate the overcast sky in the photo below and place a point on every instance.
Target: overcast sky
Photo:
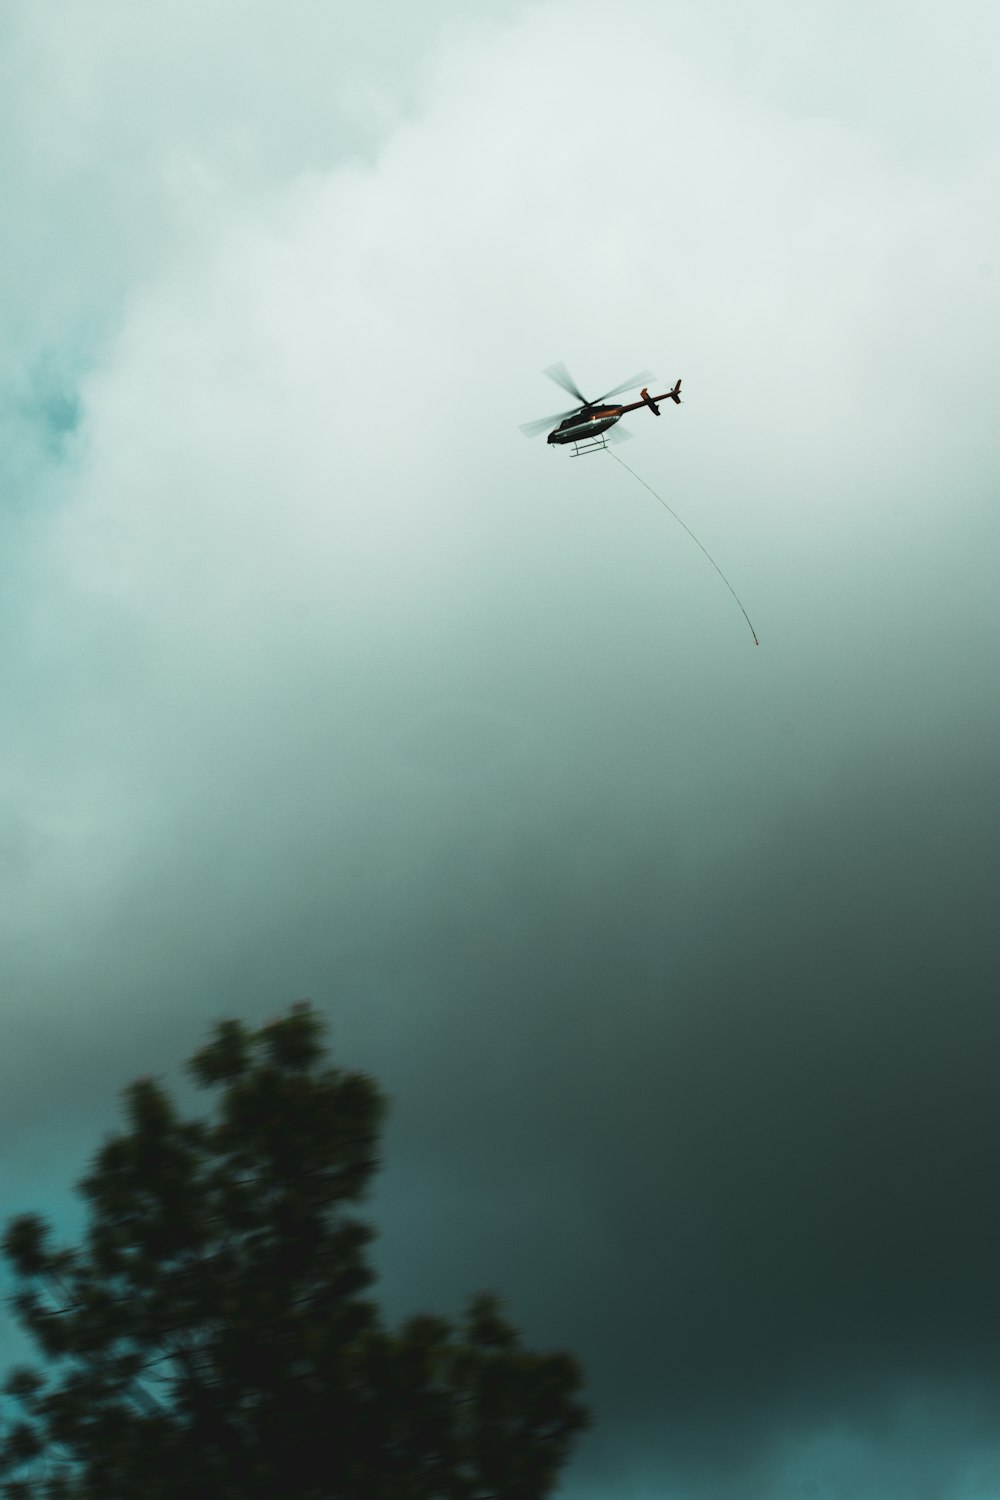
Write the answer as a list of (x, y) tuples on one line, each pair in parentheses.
[(677, 957)]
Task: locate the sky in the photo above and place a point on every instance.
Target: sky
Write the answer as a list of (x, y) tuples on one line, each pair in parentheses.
[(677, 957)]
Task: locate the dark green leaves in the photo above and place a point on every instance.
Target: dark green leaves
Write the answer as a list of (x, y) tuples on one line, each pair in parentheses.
[(212, 1335)]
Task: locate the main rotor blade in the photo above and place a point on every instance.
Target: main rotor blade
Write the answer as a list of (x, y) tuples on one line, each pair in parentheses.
[(561, 376), (618, 435), (643, 378), (532, 429)]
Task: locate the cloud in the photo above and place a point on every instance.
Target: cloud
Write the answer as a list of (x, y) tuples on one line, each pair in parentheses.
[(671, 952)]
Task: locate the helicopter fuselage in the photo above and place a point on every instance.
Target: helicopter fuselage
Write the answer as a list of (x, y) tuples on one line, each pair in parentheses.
[(589, 421), (584, 424)]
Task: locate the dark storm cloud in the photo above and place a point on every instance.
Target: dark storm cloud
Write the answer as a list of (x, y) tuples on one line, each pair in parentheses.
[(733, 1132)]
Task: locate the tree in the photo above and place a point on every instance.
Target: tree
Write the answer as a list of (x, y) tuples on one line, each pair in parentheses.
[(212, 1336)]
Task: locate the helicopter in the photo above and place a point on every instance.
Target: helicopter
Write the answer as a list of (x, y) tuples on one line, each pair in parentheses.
[(586, 425)]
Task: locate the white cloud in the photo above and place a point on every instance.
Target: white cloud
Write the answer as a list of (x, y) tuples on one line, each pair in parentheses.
[(299, 459)]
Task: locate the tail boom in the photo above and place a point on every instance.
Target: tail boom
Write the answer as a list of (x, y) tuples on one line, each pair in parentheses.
[(650, 401)]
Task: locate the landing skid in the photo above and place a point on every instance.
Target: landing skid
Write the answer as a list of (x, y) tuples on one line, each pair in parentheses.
[(590, 445)]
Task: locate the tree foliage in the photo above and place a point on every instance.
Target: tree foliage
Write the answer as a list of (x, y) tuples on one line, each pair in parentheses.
[(212, 1335)]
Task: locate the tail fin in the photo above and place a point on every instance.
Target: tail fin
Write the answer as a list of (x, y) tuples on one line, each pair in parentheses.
[(649, 402), (675, 394)]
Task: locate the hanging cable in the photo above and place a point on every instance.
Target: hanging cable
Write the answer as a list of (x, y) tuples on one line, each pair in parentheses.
[(691, 534)]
